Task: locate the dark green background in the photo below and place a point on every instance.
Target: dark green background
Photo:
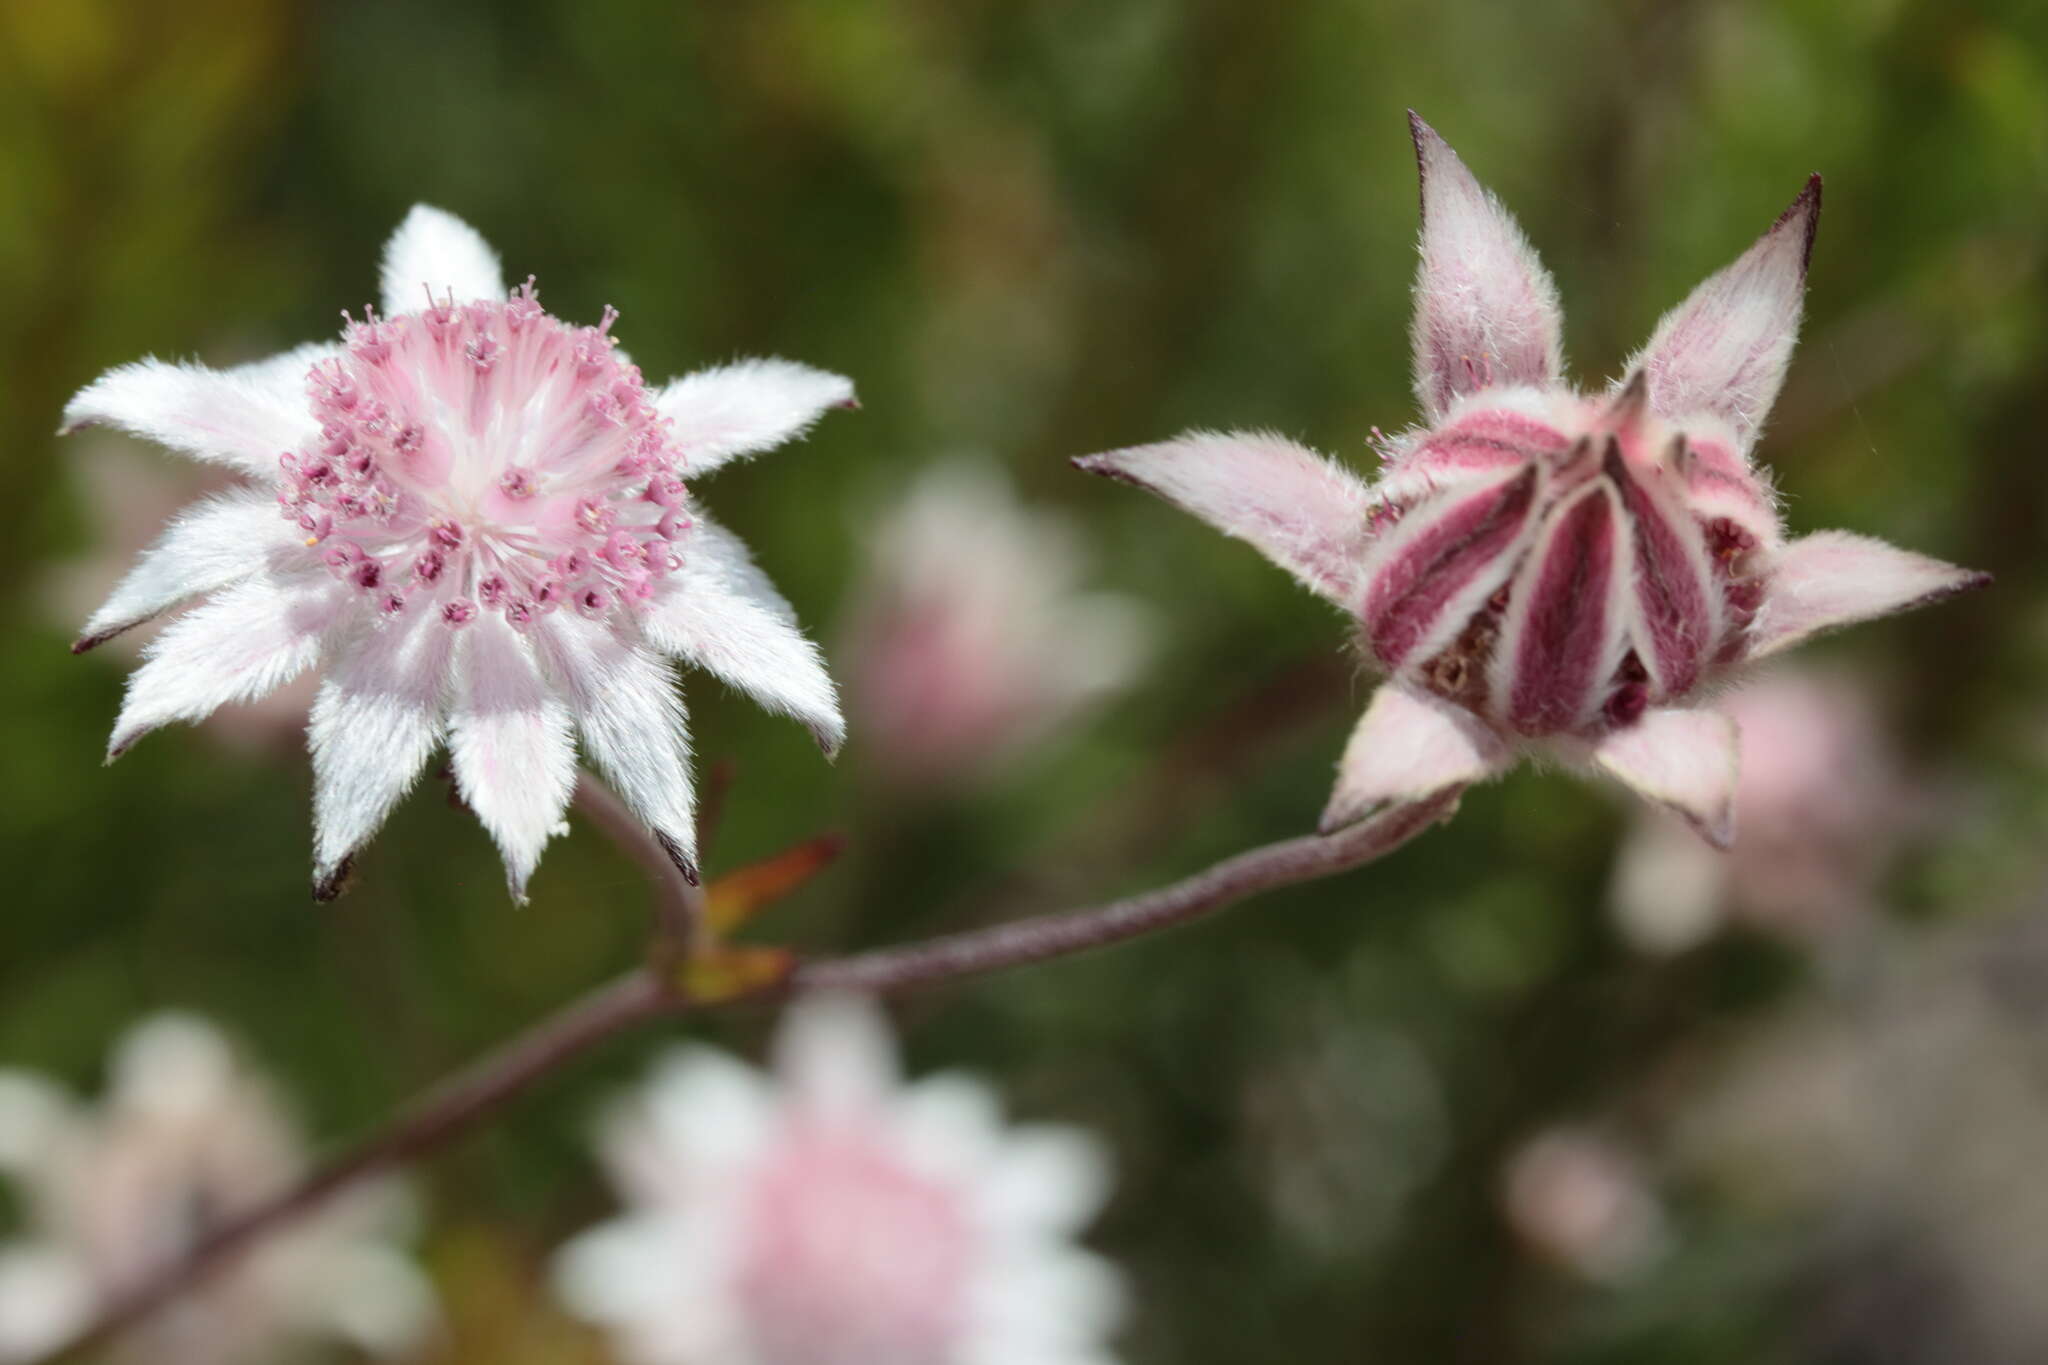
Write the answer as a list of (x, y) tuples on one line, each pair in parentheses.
[(1037, 230)]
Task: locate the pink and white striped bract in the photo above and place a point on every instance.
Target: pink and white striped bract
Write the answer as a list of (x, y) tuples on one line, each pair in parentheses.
[(473, 517), (1537, 565)]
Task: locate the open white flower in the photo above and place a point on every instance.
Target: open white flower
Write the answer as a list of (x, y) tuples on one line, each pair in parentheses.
[(833, 1216), (188, 1136), (471, 516)]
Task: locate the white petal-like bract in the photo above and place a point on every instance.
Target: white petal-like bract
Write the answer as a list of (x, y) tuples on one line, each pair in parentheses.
[(432, 254), (1837, 578), (1724, 351), (747, 406), (244, 418), (1303, 512), (207, 546), (1486, 311), (1681, 758), (1408, 747)]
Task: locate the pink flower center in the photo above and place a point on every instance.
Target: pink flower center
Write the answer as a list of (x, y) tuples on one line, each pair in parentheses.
[(487, 456), (850, 1257)]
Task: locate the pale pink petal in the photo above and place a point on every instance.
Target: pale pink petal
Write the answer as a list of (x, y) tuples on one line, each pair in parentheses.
[(510, 742), (1303, 512), (1724, 350), (434, 252), (245, 643), (630, 716), (1486, 311), (243, 418), (1836, 578), (376, 721), (719, 613), (745, 407), (1408, 747), (1683, 759), (210, 544)]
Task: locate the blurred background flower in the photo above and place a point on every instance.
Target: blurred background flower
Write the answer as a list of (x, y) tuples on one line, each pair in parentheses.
[(969, 641), (1822, 809), (831, 1215), (188, 1135), (1038, 229)]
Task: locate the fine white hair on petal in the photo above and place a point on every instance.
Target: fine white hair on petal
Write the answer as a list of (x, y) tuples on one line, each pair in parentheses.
[(1302, 511), (244, 643), (284, 374), (718, 612), (377, 719), (1486, 311), (1408, 746), (210, 544), (1724, 351), (243, 418), (630, 715), (434, 252), (1683, 758), (1837, 578), (747, 406), (511, 745), (834, 1052)]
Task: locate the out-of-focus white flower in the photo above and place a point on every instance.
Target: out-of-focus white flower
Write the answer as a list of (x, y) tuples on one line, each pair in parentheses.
[(1582, 1201), (471, 518), (1884, 1137), (969, 639), (831, 1215), (186, 1137), (1823, 803)]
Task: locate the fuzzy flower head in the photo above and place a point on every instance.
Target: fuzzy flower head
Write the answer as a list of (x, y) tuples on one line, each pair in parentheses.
[(186, 1137), (1537, 566), (830, 1215), (970, 639), (473, 518)]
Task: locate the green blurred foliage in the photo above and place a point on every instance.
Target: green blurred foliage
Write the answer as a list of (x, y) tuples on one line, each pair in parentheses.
[(1040, 229)]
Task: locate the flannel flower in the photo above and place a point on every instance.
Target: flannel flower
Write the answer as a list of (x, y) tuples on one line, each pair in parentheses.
[(1540, 567), (471, 517), (830, 1214), (188, 1134)]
